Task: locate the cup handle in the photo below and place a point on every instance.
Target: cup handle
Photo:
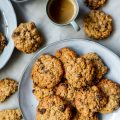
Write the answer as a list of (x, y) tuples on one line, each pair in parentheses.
[(75, 26)]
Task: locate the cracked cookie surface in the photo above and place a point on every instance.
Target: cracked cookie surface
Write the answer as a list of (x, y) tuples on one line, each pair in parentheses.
[(81, 73), (95, 4), (90, 100), (91, 116), (112, 90), (40, 93), (53, 108), (67, 92), (98, 25), (13, 114), (66, 55), (7, 88), (47, 71), (27, 38), (100, 68)]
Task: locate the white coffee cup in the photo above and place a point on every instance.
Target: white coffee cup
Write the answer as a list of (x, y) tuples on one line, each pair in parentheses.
[(70, 21)]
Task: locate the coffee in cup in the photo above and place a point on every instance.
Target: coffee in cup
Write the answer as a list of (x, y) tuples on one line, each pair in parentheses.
[(63, 12)]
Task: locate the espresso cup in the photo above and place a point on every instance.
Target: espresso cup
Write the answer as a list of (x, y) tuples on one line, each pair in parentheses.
[(63, 12)]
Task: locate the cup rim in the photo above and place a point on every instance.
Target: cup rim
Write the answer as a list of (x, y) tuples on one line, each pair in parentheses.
[(63, 24), (19, 1)]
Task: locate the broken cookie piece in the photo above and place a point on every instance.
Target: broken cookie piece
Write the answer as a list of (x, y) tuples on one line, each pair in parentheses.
[(7, 88)]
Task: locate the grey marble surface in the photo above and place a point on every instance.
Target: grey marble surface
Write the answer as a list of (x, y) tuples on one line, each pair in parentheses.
[(34, 10)]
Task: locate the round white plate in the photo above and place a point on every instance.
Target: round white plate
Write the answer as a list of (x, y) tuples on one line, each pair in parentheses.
[(8, 23), (28, 102)]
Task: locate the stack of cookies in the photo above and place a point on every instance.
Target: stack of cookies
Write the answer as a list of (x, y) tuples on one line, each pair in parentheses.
[(69, 86), (97, 24)]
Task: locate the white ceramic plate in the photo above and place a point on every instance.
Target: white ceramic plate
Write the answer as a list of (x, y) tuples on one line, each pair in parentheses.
[(28, 102), (7, 25)]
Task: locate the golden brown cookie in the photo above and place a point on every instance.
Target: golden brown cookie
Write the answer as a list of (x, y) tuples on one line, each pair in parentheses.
[(100, 68), (95, 4), (2, 42), (91, 116), (67, 92), (47, 71), (66, 55), (98, 25), (53, 108), (90, 100), (40, 93), (13, 114), (27, 38), (112, 90), (81, 73), (7, 88)]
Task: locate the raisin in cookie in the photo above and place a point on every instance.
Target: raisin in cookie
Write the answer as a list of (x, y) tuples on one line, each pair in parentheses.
[(40, 93), (81, 73), (98, 25), (112, 90), (67, 92), (53, 108), (7, 88), (90, 100), (95, 4), (27, 38), (47, 71), (100, 68), (2, 42), (13, 114)]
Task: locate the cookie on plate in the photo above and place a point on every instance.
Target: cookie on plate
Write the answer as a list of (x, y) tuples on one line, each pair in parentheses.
[(53, 108), (7, 88), (91, 116), (2, 42), (13, 114), (95, 4), (98, 25), (100, 68), (90, 100), (27, 38), (112, 90), (67, 92), (66, 55), (47, 71), (81, 73), (40, 93)]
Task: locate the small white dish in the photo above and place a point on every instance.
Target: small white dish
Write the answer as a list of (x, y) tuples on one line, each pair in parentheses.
[(8, 23), (28, 102)]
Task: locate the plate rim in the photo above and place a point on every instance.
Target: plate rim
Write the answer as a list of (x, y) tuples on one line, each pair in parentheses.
[(52, 44), (15, 24)]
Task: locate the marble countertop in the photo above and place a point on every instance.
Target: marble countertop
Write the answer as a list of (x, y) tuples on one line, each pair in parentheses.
[(34, 10)]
